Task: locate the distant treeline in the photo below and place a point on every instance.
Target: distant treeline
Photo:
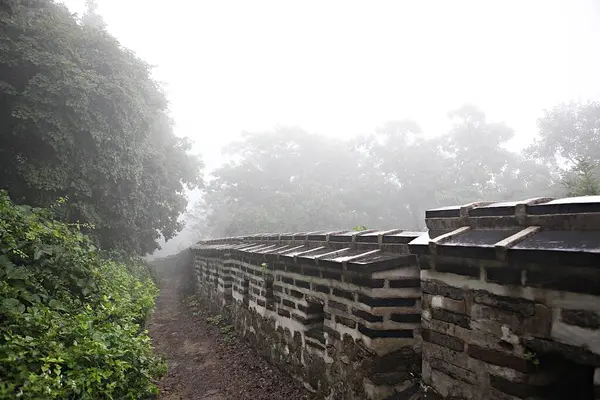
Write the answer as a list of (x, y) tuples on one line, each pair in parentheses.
[(289, 180)]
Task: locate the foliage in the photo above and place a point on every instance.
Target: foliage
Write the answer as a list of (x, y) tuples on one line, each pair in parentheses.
[(570, 143), (82, 117), (70, 320), (289, 180)]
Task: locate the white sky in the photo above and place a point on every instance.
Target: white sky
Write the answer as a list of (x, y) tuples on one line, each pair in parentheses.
[(345, 67)]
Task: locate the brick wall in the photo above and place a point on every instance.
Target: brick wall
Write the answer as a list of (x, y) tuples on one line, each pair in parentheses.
[(496, 301), (511, 306), (339, 311)]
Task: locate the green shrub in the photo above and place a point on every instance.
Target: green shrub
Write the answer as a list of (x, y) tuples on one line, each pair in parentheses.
[(70, 320)]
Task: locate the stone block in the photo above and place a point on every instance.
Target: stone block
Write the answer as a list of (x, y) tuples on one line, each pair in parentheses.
[(583, 318), (453, 371), (442, 339), (435, 287), (499, 358), (522, 306)]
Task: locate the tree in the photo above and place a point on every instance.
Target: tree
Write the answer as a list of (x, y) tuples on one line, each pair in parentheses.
[(83, 119), (569, 143), (285, 180)]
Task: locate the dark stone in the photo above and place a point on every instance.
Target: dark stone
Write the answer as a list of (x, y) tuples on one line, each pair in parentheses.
[(390, 333), (270, 306), (386, 301), (296, 294), (327, 274), (279, 266), (288, 303), (521, 306), (332, 332), (503, 276), (459, 269), (500, 358), (577, 354), (389, 378), (336, 305), (302, 284), (583, 318), (441, 289), (283, 312), (261, 302), (311, 271), (517, 389), (406, 318), (366, 282), (452, 370), (345, 321), (450, 317), (287, 280), (316, 345), (317, 334), (312, 308), (405, 283), (367, 316), (343, 293), (399, 360), (441, 339), (564, 279), (294, 268), (406, 394), (326, 315), (321, 288)]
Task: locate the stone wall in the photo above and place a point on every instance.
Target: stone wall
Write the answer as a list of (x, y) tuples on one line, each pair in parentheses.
[(511, 306), (339, 311), (501, 301)]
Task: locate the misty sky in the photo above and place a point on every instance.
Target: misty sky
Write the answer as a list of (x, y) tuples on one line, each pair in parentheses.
[(344, 67)]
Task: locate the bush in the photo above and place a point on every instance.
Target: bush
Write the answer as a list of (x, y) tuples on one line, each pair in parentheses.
[(70, 320)]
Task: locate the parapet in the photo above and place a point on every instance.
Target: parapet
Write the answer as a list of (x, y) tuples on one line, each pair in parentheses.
[(511, 299)]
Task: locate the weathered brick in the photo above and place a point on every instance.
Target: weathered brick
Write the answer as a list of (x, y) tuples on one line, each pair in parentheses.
[(517, 389), (499, 358), (283, 312), (302, 284), (406, 318), (343, 293), (459, 269), (381, 333), (337, 305), (296, 294), (454, 371), (522, 306), (450, 317), (345, 321), (294, 268), (583, 318), (328, 274), (405, 283), (366, 282), (387, 301), (289, 303), (366, 316), (442, 339), (321, 288), (289, 281), (332, 333), (439, 288), (503, 276), (312, 308)]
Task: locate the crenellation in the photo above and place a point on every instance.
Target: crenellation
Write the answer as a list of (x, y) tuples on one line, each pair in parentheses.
[(496, 301)]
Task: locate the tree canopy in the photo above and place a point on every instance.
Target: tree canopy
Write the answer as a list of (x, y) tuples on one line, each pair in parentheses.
[(290, 180), (83, 118)]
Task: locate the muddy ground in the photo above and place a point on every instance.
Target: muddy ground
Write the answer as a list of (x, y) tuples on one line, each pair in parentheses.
[(206, 359)]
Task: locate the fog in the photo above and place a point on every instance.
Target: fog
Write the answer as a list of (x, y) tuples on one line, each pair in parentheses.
[(330, 76)]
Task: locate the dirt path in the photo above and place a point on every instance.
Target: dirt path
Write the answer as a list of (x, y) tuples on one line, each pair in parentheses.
[(203, 364)]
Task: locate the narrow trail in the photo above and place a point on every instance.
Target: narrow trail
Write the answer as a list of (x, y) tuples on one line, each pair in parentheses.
[(202, 364)]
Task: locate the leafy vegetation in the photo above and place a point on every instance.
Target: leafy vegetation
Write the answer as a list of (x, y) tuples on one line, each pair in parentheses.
[(82, 118), (70, 320), (290, 180)]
